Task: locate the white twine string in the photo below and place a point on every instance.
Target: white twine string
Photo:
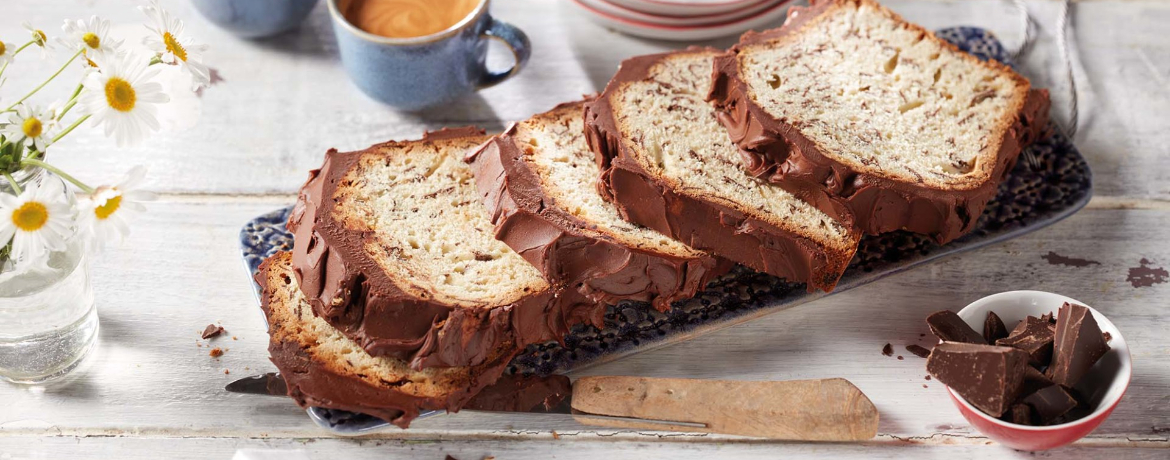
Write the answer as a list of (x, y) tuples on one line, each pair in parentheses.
[(1027, 31)]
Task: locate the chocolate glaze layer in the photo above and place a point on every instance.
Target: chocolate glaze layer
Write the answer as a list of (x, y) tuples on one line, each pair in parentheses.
[(702, 224), (568, 250), (312, 382), (348, 289), (515, 393), (776, 151)]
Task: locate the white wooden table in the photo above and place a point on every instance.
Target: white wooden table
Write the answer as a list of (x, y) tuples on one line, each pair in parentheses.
[(151, 391)]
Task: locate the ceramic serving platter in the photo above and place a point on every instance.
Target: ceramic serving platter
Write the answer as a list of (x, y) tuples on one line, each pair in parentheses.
[(1035, 195)]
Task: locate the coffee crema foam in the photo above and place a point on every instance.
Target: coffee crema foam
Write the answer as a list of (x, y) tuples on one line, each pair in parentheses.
[(406, 18)]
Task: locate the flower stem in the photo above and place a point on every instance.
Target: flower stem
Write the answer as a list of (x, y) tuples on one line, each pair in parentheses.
[(14, 53), (69, 129), (15, 186), (51, 77), (53, 169)]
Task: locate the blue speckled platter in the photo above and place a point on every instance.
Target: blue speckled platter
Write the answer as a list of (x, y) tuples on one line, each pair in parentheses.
[(1031, 198)]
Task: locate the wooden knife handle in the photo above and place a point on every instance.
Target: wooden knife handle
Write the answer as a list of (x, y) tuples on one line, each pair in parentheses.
[(804, 410)]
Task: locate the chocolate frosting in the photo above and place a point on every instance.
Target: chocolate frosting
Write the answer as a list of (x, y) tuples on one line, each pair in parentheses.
[(515, 393), (702, 224), (312, 382), (569, 251), (776, 151), (350, 291)]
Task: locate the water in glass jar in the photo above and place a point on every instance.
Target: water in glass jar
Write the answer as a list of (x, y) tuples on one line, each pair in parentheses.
[(47, 318)]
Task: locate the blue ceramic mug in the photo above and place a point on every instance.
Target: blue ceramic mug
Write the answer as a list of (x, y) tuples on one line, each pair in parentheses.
[(255, 18), (419, 72)]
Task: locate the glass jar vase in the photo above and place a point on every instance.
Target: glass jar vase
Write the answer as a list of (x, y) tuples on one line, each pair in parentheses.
[(48, 323)]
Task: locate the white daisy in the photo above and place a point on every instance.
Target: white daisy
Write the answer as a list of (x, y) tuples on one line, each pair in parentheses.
[(37, 221), (32, 125), (92, 36), (104, 213), (122, 96), (40, 38), (173, 47), (6, 52)]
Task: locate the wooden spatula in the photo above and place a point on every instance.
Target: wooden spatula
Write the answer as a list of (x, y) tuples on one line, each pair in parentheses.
[(803, 410)]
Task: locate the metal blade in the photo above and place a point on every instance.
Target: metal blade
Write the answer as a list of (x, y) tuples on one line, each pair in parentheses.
[(271, 384)]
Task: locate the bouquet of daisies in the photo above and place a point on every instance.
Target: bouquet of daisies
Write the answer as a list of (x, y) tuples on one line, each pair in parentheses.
[(118, 91)]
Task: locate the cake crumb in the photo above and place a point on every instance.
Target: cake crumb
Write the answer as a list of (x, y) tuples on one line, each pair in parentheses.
[(555, 435), (900, 358), (216, 352), (234, 338), (226, 372)]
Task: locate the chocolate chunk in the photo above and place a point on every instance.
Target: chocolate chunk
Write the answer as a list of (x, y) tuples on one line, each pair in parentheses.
[(1020, 414), (1050, 319), (993, 328), (1078, 345), (1050, 403), (1034, 380), (918, 351), (987, 376), (1107, 336), (1034, 337), (888, 350), (948, 327), (212, 331)]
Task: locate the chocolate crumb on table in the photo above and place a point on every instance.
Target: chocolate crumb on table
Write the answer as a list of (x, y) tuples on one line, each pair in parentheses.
[(918, 350), (888, 350), (211, 331), (900, 358)]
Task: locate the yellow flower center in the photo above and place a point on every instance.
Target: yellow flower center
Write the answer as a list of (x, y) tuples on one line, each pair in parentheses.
[(30, 216), (91, 40), (3, 48), (106, 210), (174, 46), (31, 127), (120, 95), (40, 36)]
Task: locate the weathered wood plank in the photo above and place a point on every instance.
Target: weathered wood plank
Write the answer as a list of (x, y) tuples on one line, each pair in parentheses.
[(285, 100), (567, 448), (181, 271)]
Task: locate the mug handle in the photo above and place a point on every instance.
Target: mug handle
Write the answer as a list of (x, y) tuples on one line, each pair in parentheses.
[(517, 41)]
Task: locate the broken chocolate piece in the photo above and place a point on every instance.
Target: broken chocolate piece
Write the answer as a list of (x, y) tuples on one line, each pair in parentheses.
[(1078, 345), (1050, 403), (888, 350), (993, 328), (987, 376), (1034, 381), (1020, 414), (211, 331), (949, 327), (1034, 337), (918, 351)]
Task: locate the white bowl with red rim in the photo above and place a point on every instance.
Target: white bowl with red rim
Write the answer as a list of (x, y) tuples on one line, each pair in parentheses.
[(683, 7), (614, 9), (772, 16), (1103, 385)]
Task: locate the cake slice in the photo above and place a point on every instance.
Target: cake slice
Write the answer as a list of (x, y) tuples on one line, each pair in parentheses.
[(322, 367), (849, 105), (667, 164), (538, 180), (393, 248)]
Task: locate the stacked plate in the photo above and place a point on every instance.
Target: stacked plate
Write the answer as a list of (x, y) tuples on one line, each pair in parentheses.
[(684, 19)]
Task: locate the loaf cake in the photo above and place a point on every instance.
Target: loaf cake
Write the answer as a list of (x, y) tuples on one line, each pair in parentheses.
[(538, 182), (848, 105), (393, 248), (667, 164), (322, 367)]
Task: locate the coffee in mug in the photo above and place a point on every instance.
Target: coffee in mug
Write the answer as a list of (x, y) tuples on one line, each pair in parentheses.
[(406, 18)]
